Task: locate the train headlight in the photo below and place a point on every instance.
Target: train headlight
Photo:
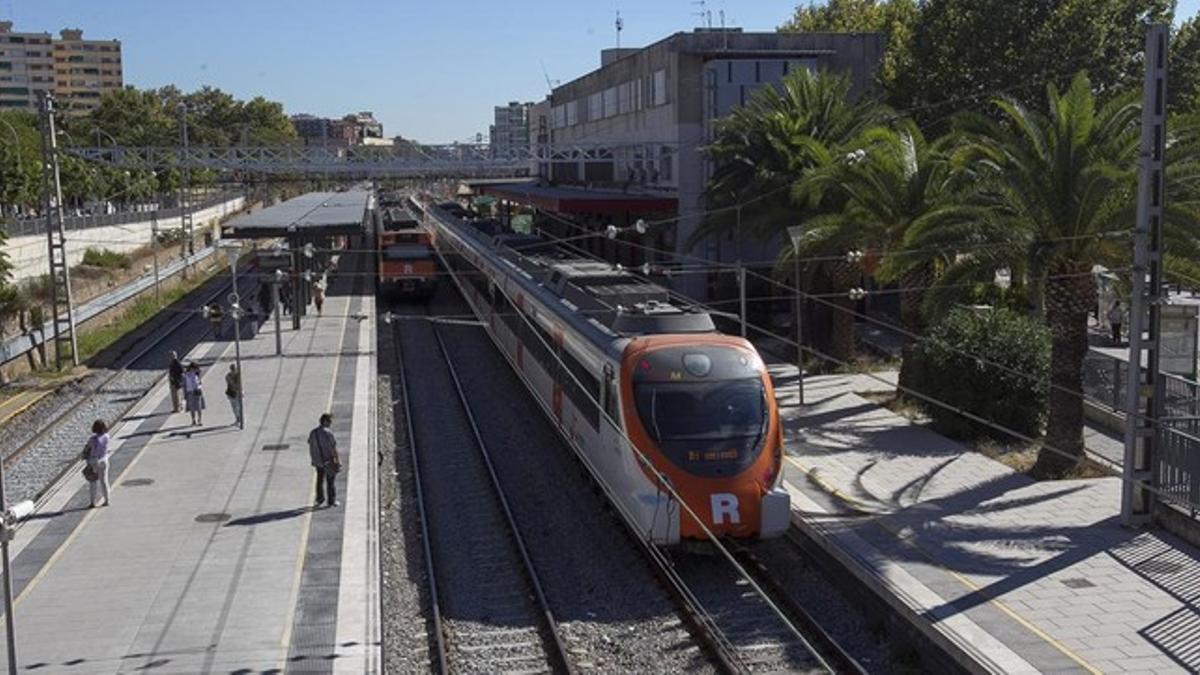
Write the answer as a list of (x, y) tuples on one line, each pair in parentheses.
[(699, 365)]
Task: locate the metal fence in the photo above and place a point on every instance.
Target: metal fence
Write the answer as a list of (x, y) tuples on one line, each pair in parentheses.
[(1178, 470), (27, 226)]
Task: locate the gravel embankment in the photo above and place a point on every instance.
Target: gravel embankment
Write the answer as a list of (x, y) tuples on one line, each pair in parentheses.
[(405, 626)]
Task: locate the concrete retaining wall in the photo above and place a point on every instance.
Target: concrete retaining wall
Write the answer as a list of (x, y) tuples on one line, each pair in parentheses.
[(28, 254)]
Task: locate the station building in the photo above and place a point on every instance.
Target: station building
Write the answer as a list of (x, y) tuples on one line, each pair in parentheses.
[(625, 139)]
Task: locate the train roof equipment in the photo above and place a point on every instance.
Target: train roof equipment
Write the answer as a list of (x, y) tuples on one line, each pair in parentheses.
[(624, 303)]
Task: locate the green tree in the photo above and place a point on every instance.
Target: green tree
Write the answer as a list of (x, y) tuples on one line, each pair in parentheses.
[(896, 19), (1050, 188), (20, 161), (970, 50), (1183, 86)]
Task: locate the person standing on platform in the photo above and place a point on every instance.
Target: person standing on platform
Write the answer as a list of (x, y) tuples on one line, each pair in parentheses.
[(193, 392), (1116, 316), (215, 316), (233, 391), (96, 454), (175, 379), (322, 450), (264, 299), (318, 291), (285, 296)]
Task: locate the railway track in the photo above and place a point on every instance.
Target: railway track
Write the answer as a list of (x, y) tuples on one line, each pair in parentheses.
[(44, 455), (488, 610)]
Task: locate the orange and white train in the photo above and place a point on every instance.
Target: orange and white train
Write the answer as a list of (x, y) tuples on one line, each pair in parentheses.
[(646, 391), (407, 263)]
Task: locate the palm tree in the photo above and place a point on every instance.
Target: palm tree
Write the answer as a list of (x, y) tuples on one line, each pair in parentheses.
[(766, 145), (1050, 189), (891, 181)]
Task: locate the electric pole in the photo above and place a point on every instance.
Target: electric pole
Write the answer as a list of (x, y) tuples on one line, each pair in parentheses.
[(60, 275), (1144, 391), (185, 196)]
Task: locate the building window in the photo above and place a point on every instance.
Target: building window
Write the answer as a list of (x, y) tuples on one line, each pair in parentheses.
[(666, 163), (572, 113), (658, 88), (595, 106), (610, 102)]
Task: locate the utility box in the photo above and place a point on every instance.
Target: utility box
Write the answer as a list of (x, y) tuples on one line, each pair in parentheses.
[(1178, 324)]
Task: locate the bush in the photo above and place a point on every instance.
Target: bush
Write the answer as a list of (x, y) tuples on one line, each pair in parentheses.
[(938, 366), (102, 257)]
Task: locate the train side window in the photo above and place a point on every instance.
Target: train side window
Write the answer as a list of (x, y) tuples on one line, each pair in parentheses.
[(610, 395)]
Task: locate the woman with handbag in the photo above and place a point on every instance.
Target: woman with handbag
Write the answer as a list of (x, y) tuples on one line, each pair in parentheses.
[(96, 454), (194, 393)]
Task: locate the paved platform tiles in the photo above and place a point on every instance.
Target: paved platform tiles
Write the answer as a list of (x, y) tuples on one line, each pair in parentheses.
[(211, 557), (1017, 575)]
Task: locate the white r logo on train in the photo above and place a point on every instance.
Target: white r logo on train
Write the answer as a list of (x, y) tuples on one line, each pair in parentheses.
[(724, 504)]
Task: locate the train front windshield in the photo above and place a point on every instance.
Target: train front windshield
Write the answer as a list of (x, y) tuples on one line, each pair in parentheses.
[(710, 428), (407, 252)]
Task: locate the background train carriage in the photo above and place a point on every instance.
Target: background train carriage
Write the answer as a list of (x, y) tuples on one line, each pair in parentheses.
[(407, 262)]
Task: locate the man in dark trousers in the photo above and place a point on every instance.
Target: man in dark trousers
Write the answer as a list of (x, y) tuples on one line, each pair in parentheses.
[(175, 379), (322, 450)]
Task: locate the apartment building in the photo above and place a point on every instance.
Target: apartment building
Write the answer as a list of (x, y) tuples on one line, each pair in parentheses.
[(510, 132), (26, 67), (84, 70), (355, 129), (77, 71)]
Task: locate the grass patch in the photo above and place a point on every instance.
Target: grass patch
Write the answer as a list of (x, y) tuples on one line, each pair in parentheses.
[(106, 259), (139, 311)]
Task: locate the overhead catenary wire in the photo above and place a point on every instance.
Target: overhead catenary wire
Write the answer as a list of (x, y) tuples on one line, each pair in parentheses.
[(664, 484), (937, 402), (910, 334)]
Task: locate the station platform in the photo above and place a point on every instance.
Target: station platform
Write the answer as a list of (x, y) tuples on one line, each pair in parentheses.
[(1004, 573), (211, 557)]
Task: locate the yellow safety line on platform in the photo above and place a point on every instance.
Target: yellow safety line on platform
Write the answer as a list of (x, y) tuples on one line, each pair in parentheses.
[(971, 585), (58, 553), (298, 573)]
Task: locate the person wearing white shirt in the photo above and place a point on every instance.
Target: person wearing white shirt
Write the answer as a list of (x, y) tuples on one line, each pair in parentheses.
[(96, 454)]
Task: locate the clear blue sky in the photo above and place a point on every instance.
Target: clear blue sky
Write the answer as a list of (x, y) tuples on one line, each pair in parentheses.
[(429, 69)]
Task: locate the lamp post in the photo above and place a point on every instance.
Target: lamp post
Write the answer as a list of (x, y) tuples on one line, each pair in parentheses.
[(233, 248), (8, 518), (796, 234)]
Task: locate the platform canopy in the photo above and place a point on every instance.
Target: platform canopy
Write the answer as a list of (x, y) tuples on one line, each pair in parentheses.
[(316, 214), (561, 199)]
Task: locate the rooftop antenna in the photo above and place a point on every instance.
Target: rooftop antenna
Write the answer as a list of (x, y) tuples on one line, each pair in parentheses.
[(704, 13), (549, 82), (620, 25)]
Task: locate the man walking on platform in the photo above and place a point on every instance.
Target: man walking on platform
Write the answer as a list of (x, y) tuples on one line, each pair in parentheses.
[(175, 379), (322, 450), (233, 391)]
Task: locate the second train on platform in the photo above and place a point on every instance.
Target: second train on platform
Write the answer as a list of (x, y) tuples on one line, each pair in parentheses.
[(406, 260), (676, 419)]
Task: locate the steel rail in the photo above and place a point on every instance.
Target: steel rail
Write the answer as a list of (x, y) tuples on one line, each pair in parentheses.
[(836, 655), (439, 636), (54, 423), (560, 647)]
